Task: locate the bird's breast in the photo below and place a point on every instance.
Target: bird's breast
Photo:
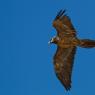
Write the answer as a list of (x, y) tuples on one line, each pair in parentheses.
[(68, 42)]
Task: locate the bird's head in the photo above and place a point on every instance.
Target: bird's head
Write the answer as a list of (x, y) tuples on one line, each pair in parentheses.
[(54, 40)]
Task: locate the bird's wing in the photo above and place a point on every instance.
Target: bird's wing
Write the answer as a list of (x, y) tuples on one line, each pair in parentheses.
[(63, 24), (63, 63)]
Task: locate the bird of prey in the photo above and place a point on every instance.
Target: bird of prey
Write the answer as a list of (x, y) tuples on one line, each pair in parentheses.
[(67, 42)]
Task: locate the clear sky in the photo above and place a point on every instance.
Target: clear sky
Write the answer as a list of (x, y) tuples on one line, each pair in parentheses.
[(26, 59)]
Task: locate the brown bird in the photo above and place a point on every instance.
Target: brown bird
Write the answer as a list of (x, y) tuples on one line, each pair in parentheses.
[(67, 42)]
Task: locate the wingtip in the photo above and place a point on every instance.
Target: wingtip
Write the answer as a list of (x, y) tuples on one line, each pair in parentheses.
[(67, 88), (60, 13)]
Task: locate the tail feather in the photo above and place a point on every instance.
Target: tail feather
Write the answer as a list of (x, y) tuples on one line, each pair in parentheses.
[(86, 43)]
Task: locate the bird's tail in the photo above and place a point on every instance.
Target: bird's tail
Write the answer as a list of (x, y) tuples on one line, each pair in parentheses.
[(86, 43)]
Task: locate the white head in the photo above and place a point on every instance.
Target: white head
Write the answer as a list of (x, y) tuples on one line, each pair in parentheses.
[(55, 39)]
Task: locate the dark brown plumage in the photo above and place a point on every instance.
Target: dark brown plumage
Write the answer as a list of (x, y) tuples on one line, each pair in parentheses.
[(67, 42)]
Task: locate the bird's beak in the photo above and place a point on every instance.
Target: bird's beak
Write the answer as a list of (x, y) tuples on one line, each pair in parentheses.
[(49, 42)]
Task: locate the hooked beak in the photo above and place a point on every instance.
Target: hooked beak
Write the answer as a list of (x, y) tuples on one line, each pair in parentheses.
[(51, 41)]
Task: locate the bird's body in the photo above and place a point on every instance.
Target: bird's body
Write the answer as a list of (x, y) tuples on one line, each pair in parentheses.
[(67, 42)]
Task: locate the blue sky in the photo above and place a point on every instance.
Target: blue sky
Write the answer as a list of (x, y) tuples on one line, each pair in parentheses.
[(26, 59)]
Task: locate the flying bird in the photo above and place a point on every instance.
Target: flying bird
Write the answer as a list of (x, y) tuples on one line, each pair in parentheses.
[(67, 43)]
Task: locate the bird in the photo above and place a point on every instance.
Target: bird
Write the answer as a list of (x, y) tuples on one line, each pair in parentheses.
[(67, 42)]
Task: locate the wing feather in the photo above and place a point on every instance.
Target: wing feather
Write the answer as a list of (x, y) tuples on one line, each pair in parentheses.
[(63, 63), (66, 25)]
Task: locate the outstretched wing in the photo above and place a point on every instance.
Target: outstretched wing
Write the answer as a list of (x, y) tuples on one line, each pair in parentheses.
[(63, 24), (63, 63)]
